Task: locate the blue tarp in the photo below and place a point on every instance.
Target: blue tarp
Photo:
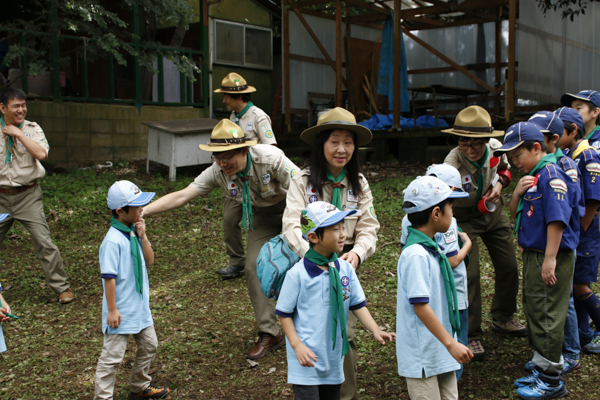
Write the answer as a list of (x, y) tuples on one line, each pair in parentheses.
[(385, 79), (382, 121)]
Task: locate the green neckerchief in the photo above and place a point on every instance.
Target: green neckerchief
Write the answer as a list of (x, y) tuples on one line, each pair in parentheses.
[(597, 128), (337, 300), (460, 244), (238, 116), (417, 237), (10, 140), (135, 253), (336, 200), (559, 153), (246, 199), (481, 179), (547, 159)]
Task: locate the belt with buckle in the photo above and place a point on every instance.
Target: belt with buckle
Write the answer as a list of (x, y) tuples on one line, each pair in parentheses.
[(15, 190)]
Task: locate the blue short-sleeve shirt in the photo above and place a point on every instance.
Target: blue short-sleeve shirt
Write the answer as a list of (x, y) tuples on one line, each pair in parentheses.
[(305, 297), (420, 280), (570, 167), (116, 262), (449, 242), (552, 198), (588, 162)]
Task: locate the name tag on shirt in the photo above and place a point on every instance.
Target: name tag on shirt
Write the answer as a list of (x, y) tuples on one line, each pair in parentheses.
[(351, 196), (249, 126), (450, 236)]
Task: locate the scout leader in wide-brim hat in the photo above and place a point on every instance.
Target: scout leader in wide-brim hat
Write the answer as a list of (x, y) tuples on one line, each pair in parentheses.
[(234, 83), (337, 118), (225, 136), (474, 122)]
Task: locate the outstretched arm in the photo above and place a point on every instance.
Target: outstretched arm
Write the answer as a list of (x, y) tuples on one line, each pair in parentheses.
[(171, 201)]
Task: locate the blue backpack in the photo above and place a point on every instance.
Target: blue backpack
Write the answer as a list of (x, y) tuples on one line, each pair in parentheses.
[(273, 262)]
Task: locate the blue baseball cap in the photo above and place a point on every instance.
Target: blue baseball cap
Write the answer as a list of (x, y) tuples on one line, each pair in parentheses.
[(3, 217), (586, 95), (570, 116), (428, 191), (518, 134), (126, 193), (321, 214), (548, 122), (447, 174)]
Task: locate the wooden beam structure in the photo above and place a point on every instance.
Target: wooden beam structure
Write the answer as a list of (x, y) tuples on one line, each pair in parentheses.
[(286, 68), (338, 53), (397, 62), (509, 94)]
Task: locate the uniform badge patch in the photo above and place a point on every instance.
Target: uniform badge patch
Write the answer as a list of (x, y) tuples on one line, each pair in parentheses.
[(573, 174), (596, 145), (269, 134), (530, 212), (293, 173), (233, 192), (345, 281), (466, 182), (558, 185), (593, 168), (372, 210), (311, 191), (351, 196), (450, 236), (265, 179), (249, 126), (312, 199)]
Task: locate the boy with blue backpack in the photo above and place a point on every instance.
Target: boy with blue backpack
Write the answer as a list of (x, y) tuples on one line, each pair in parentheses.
[(316, 296)]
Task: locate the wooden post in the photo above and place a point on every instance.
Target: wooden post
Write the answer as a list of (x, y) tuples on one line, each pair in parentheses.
[(338, 53), (286, 67), (498, 45), (350, 86), (509, 94), (397, 62)]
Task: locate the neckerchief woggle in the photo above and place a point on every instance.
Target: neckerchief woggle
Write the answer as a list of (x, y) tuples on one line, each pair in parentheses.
[(9, 141), (417, 237), (481, 178), (336, 200), (135, 253), (241, 114), (547, 159), (597, 128), (246, 199), (336, 298), (583, 145)]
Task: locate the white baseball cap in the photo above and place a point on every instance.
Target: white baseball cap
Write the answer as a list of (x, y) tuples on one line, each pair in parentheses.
[(321, 214), (447, 174), (126, 193), (3, 217), (428, 191)]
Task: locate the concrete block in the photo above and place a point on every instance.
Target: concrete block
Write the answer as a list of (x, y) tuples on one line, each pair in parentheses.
[(78, 139), (78, 156), (123, 140), (125, 153), (77, 125), (56, 138), (141, 140), (124, 126), (101, 126), (101, 155), (58, 154), (100, 139), (59, 124)]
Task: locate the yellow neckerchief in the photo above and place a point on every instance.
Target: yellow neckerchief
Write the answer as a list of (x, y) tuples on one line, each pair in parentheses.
[(583, 145)]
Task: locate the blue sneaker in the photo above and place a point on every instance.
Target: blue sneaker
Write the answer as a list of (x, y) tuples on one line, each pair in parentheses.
[(593, 347), (528, 380), (541, 390), (570, 365), (529, 365)]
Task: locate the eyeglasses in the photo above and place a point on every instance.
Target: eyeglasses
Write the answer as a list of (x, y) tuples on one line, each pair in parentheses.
[(223, 159), (464, 145)]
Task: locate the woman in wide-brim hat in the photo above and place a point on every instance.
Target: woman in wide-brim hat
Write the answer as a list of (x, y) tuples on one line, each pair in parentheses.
[(334, 176), (484, 176)]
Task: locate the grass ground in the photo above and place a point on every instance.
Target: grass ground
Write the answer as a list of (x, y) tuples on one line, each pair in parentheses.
[(205, 325)]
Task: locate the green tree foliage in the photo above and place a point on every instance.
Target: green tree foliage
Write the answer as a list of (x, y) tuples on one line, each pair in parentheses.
[(102, 31), (570, 8)]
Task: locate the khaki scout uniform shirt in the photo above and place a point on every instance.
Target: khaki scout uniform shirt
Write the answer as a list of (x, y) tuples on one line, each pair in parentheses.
[(270, 175), (470, 174), (361, 227), (256, 125), (24, 168)]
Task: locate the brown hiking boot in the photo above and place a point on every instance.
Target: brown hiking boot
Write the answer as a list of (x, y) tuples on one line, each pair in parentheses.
[(66, 297), (265, 344), (512, 328)]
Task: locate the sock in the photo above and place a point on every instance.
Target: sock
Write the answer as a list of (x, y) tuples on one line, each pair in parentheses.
[(552, 379), (592, 307), (583, 319)]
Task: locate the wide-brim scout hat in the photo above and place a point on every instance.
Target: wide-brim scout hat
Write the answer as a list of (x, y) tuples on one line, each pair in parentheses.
[(225, 136), (586, 95), (474, 122), (338, 118), (235, 83)]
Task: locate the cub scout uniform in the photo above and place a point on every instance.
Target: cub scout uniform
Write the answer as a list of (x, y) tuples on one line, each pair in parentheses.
[(588, 161), (269, 180), (21, 197), (361, 227), (495, 231), (255, 123)]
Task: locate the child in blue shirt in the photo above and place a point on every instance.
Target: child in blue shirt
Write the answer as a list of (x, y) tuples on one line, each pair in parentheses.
[(124, 254), (587, 304), (427, 316), (4, 307), (553, 128), (587, 104), (545, 207), (455, 253), (316, 296)]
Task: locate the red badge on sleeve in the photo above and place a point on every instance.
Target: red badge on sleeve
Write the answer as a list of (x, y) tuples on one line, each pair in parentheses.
[(494, 161)]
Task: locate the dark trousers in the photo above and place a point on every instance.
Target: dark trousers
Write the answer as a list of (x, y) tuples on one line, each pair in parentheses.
[(317, 392)]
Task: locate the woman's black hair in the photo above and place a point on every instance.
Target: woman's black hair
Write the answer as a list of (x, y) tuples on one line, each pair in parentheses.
[(114, 212), (570, 129), (421, 218), (318, 165)]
